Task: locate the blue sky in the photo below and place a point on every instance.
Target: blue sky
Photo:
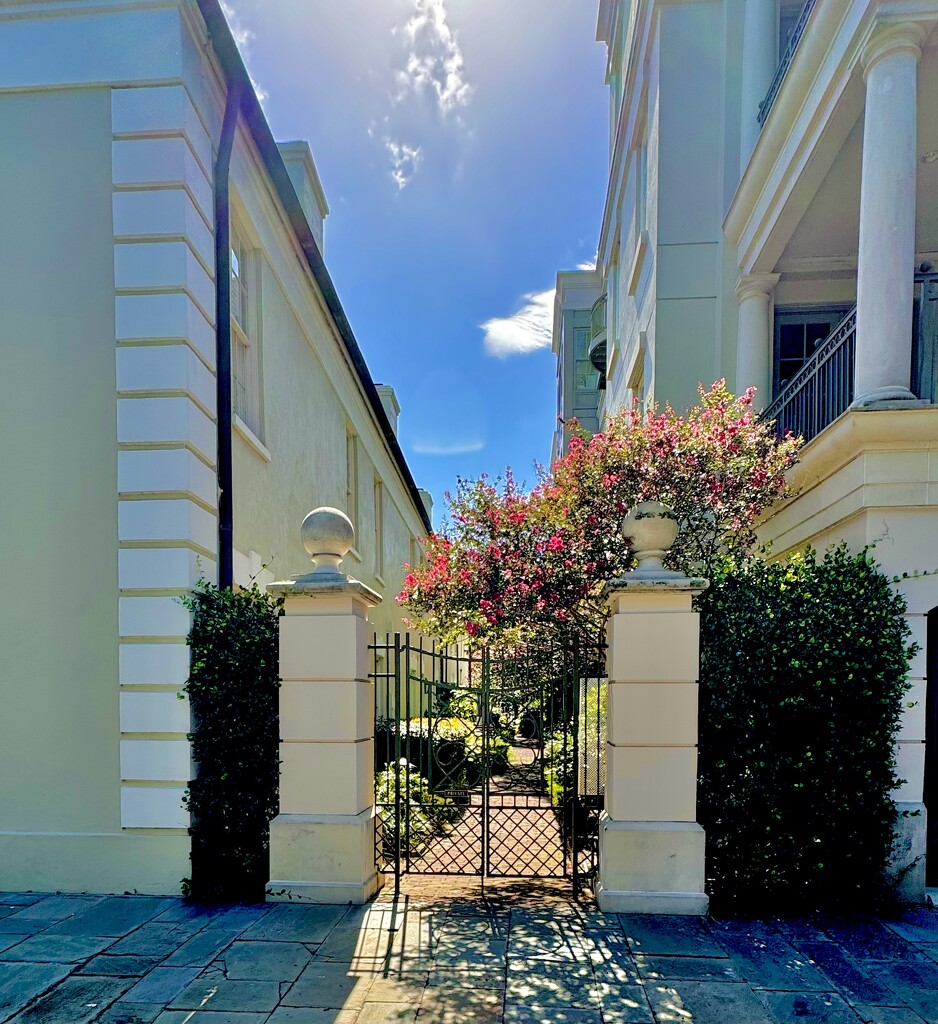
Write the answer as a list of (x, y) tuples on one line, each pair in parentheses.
[(462, 145)]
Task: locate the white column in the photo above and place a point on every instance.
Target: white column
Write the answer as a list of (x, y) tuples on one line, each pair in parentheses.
[(754, 338), (887, 216), (322, 843), (760, 61)]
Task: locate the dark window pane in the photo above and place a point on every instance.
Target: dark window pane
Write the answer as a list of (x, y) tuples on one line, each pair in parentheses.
[(787, 369), (791, 341), (816, 333)]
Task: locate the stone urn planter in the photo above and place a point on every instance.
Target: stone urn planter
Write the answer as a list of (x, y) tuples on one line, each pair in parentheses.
[(652, 529)]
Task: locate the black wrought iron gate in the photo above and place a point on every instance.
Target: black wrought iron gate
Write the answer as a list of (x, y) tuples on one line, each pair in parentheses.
[(488, 764)]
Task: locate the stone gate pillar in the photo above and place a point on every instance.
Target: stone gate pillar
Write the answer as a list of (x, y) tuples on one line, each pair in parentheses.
[(322, 843), (651, 848)]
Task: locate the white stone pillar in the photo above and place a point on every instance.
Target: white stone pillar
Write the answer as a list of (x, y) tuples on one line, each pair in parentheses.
[(322, 843), (759, 64), (754, 337), (651, 848), (887, 215)]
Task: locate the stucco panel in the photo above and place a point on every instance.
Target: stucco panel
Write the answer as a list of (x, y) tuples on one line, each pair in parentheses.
[(59, 729)]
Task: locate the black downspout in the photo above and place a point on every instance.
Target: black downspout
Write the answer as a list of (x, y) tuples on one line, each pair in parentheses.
[(223, 337)]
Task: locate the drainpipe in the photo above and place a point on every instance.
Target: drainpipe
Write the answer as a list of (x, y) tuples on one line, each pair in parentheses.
[(223, 337)]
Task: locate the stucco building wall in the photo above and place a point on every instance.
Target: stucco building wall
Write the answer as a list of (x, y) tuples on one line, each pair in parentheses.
[(110, 120)]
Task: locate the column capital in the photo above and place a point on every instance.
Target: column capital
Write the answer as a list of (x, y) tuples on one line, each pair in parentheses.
[(751, 286), (889, 38), (311, 586)]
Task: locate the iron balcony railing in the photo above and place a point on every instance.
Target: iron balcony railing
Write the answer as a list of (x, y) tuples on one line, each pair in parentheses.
[(598, 318), (822, 389), (785, 62), (597, 346)]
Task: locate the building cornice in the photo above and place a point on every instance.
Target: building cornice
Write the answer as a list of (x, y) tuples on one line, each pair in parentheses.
[(825, 265), (858, 431), (826, 493)]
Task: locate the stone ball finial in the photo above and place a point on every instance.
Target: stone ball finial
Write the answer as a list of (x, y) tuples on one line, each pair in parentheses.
[(327, 535), (652, 529)]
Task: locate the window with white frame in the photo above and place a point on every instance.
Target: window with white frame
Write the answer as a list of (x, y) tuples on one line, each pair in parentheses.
[(351, 477), (245, 365), (379, 527)]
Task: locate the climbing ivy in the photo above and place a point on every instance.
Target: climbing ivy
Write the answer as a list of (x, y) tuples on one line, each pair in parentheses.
[(802, 686), (232, 689)]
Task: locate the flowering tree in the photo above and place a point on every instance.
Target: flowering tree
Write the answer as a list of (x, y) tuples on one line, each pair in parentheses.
[(509, 564), (718, 469), (503, 565)]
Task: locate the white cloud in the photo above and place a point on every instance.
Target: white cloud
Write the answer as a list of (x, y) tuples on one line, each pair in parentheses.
[(448, 447), (586, 266), (242, 37), (435, 61), (525, 331), (405, 160)]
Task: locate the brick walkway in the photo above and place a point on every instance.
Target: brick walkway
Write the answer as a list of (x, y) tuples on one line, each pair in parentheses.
[(446, 952)]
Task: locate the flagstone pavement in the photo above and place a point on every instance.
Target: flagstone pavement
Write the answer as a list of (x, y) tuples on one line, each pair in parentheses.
[(518, 953)]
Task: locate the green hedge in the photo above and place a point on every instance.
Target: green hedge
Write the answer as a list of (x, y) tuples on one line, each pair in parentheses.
[(803, 674), (232, 689)]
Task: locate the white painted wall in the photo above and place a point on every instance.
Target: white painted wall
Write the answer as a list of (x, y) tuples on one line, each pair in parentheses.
[(108, 340)]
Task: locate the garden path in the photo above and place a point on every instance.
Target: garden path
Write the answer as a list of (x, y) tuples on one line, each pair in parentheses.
[(513, 953), (524, 835)]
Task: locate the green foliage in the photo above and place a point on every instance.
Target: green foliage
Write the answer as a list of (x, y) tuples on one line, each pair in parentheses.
[(232, 689), (423, 814), (803, 672), (558, 769), (558, 749)]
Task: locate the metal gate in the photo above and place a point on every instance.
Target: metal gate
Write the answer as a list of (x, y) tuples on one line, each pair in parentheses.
[(486, 763)]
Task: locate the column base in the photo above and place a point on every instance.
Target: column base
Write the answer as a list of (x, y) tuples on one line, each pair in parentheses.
[(651, 867), (890, 393), (907, 868), (327, 893), (323, 858), (687, 904)]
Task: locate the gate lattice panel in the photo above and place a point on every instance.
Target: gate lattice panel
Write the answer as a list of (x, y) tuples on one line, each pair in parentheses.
[(487, 765)]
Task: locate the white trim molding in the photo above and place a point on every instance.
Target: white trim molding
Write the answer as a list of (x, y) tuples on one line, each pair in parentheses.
[(167, 488)]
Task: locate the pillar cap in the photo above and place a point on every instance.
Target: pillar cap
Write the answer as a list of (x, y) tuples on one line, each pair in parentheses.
[(321, 585), (669, 585)]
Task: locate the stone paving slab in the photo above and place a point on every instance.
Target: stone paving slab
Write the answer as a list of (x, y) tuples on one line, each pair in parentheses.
[(56, 949), (21, 983), (131, 1013), (820, 1006), (121, 966), (210, 1017), (265, 961), (75, 1001), (519, 956)]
